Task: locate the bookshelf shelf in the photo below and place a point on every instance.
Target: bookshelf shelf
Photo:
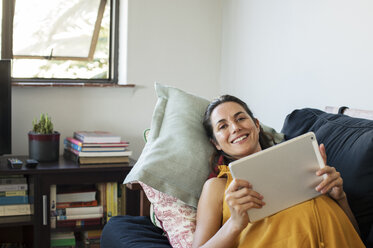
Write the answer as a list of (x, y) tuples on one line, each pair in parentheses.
[(23, 220), (40, 179)]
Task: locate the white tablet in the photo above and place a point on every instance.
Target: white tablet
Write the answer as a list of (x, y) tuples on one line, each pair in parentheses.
[(284, 174)]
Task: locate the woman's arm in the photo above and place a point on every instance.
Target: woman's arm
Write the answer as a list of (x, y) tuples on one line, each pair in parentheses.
[(210, 215), (239, 197)]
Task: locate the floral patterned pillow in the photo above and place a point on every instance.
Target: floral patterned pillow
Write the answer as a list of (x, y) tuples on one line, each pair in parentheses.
[(176, 218)]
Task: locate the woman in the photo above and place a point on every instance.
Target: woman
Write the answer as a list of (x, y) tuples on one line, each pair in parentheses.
[(222, 220)]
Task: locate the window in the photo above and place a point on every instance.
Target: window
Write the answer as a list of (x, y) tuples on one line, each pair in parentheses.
[(61, 40)]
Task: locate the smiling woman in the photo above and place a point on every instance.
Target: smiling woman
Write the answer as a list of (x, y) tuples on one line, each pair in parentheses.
[(61, 39)]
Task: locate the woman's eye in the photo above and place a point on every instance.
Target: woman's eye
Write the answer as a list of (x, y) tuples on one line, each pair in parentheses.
[(222, 126), (241, 118)]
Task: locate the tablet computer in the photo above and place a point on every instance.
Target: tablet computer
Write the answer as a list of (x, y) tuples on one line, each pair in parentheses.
[(284, 174)]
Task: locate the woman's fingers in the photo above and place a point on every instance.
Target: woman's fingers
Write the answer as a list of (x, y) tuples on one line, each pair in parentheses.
[(323, 152), (240, 196), (333, 179)]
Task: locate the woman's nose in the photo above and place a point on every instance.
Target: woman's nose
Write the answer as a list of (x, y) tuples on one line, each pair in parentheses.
[(235, 127)]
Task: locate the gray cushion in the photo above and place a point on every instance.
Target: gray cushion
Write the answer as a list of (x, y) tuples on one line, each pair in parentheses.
[(175, 157)]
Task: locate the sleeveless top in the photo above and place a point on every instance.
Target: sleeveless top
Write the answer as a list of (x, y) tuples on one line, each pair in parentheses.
[(315, 223)]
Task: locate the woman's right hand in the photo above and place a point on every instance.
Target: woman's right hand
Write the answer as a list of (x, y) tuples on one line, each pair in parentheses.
[(240, 197)]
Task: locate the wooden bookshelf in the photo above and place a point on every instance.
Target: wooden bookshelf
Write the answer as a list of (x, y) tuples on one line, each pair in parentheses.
[(37, 226)]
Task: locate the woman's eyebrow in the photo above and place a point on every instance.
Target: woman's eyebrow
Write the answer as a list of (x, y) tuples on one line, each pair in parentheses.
[(238, 113)]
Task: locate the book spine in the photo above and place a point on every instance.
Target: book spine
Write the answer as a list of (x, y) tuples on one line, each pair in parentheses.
[(8, 200), (68, 144), (123, 201), (79, 223), (18, 209), (53, 203), (76, 204), (77, 217), (109, 210), (72, 150), (19, 180), (63, 242), (13, 187), (102, 153), (78, 136), (115, 198), (76, 197), (13, 193), (102, 197), (74, 141), (80, 211)]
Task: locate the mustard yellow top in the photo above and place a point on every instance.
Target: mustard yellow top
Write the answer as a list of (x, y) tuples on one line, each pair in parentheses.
[(316, 223)]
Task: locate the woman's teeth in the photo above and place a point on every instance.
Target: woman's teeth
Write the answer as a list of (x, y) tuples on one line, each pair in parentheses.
[(239, 139)]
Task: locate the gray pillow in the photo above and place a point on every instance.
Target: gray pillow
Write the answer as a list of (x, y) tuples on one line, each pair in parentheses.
[(175, 157)]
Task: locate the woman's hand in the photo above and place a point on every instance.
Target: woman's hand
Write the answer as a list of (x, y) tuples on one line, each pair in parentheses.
[(333, 183), (240, 197)]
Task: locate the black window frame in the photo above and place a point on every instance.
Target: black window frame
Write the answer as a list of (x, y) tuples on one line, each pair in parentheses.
[(7, 48)]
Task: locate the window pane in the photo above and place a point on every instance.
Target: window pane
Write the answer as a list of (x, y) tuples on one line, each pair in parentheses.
[(61, 39)]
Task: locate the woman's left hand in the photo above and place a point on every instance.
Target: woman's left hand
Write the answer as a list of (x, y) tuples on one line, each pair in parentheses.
[(333, 183)]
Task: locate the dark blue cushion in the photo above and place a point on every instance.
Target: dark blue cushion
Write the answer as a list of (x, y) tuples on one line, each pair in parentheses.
[(132, 232), (349, 148)]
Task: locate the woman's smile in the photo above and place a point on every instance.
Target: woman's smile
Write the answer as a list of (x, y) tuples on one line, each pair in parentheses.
[(240, 138)]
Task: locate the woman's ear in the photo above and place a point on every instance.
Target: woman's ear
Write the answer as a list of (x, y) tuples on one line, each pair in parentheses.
[(215, 143)]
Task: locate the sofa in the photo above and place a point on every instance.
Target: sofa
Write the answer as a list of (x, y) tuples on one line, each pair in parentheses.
[(174, 165)]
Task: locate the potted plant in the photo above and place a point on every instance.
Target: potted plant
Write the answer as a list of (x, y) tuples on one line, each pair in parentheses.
[(44, 142)]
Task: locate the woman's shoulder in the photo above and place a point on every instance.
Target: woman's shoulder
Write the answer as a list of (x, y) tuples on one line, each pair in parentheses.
[(215, 184)]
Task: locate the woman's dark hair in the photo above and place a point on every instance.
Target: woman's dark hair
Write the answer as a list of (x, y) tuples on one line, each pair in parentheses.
[(265, 139)]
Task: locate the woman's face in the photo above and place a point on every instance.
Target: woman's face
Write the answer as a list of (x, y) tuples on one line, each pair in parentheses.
[(235, 132)]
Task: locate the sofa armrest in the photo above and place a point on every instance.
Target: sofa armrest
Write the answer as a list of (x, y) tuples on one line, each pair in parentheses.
[(144, 202)]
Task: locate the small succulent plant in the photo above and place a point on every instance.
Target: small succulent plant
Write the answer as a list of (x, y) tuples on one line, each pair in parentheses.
[(44, 126)]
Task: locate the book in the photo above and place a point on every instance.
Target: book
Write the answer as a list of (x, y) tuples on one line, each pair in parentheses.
[(62, 239), (79, 223), (17, 209), (95, 148), (109, 202), (8, 200), (80, 210), (53, 203), (13, 187), (13, 180), (81, 144), (101, 187), (92, 234), (119, 160), (13, 193), (78, 217), (96, 137), (100, 153), (86, 196), (60, 205)]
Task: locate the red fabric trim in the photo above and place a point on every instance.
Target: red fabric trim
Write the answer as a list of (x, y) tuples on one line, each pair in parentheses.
[(215, 171)]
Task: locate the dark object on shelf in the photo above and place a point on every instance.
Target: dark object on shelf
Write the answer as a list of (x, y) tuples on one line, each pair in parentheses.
[(31, 163), (15, 163)]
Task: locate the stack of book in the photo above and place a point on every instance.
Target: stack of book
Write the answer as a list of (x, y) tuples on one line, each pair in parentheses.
[(14, 196), (63, 239), (75, 207), (91, 238), (97, 148)]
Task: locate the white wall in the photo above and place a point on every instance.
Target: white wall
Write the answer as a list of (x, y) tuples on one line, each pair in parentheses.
[(174, 42), (282, 55)]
